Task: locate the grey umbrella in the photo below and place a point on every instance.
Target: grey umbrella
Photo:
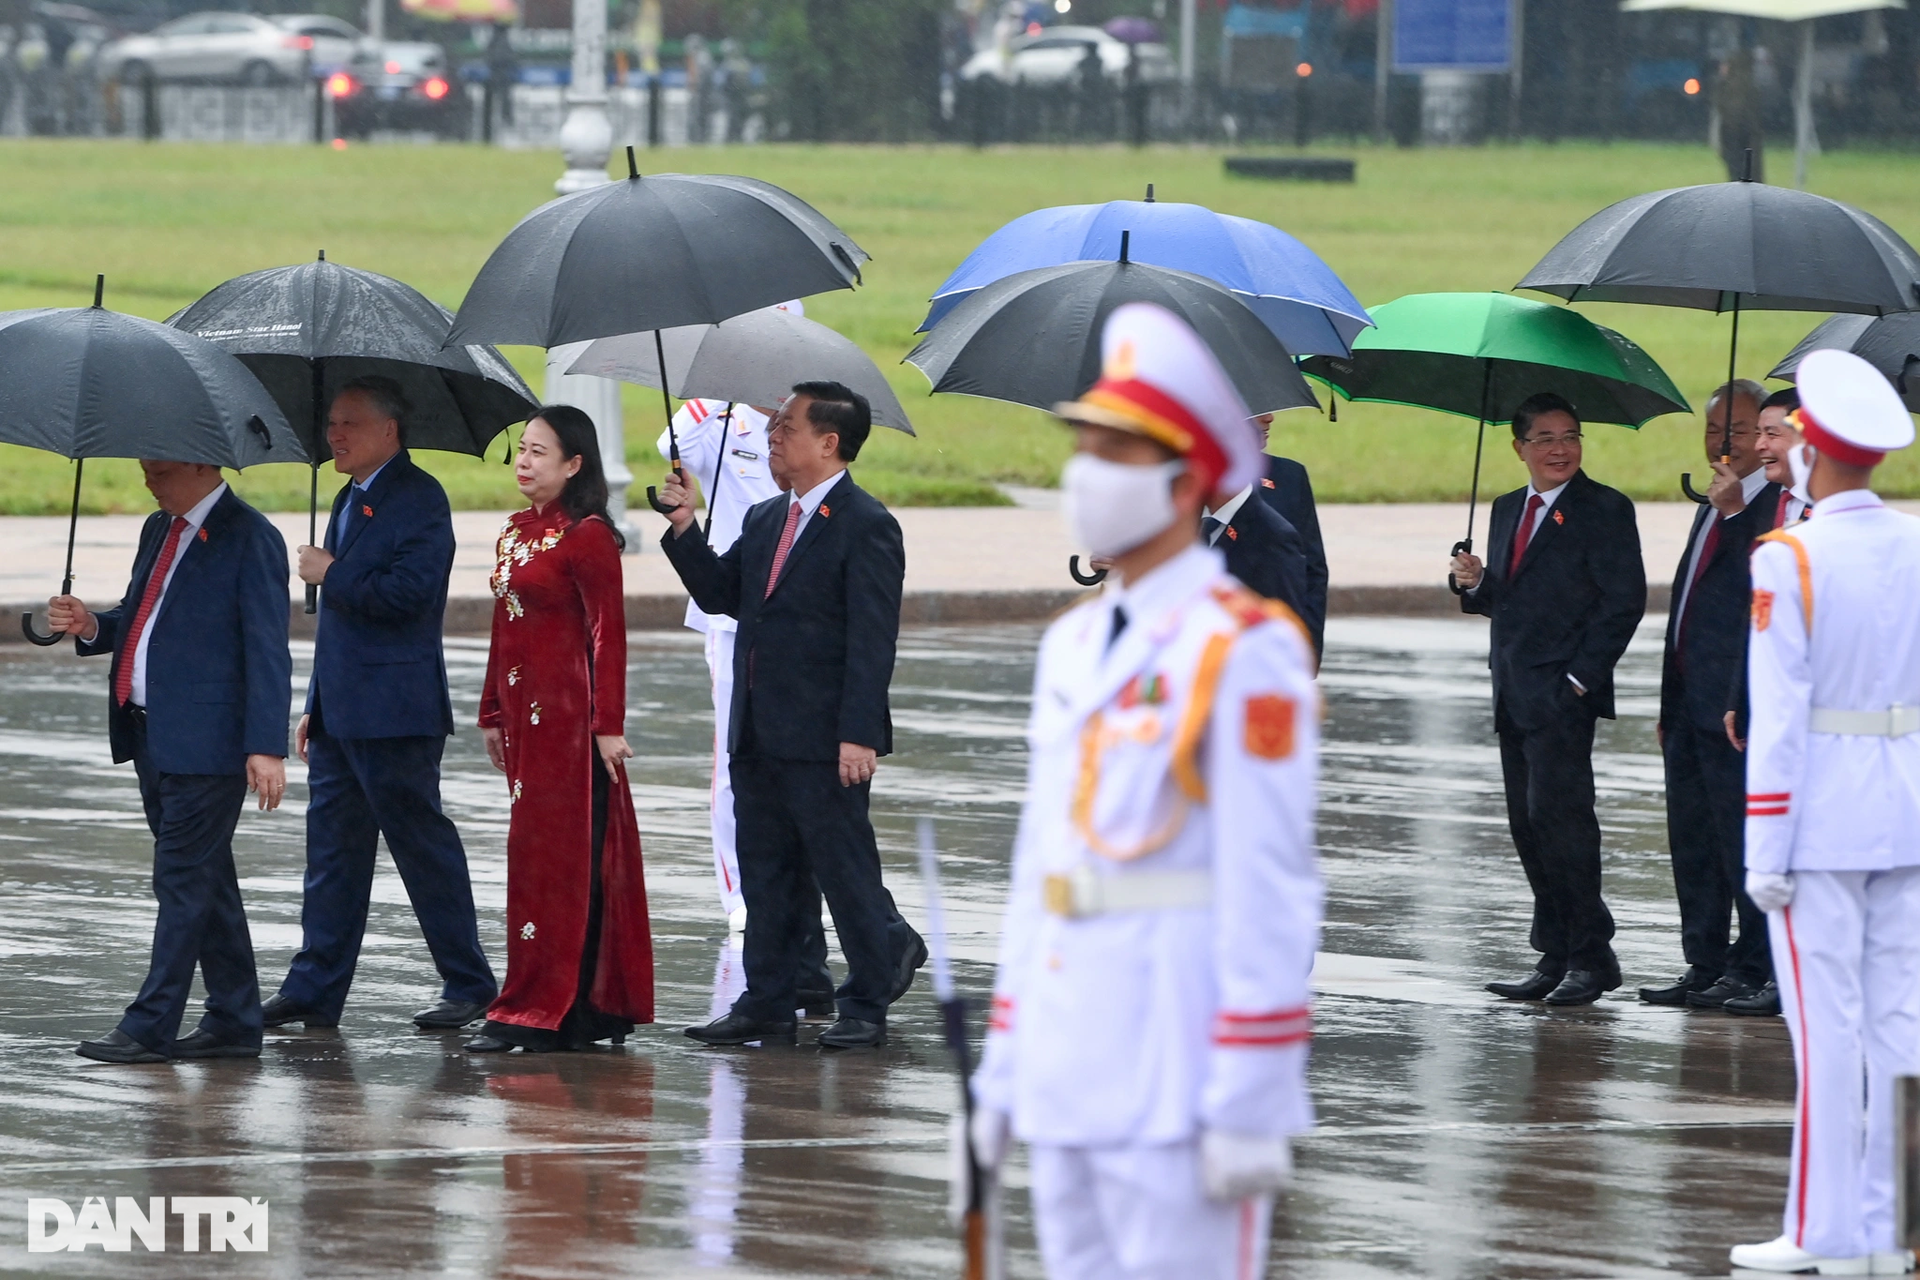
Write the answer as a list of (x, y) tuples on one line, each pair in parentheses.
[(1890, 344), (751, 359), (85, 382)]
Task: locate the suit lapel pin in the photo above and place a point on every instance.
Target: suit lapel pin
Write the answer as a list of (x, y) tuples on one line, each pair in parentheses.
[(825, 511), (1265, 483), (366, 510), (1559, 517), (203, 535), (1233, 534)]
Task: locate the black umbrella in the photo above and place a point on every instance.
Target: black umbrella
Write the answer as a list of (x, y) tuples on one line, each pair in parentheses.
[(1034, 338), (653, 253), (1890, 344), (307, 330), (1733, 246), (85, 382)]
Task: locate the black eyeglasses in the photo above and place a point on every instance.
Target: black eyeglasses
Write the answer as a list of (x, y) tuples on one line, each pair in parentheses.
[(1548, 442)]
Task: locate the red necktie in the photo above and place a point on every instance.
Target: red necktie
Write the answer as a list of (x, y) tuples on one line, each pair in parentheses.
[(156, 581), (786, 545), (1707, 547), (1780, 512), (1524, 534)]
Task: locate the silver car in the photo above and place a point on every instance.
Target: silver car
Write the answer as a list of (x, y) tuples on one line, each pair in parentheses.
[(234, 47), (1052, 56)]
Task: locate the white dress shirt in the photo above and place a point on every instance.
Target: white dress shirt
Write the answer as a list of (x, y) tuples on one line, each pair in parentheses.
[(194, 518), (810, 502), (1226, 512)]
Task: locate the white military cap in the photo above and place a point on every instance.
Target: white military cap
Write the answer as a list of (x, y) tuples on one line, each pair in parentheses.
[(1159, 380), (1848, 410)]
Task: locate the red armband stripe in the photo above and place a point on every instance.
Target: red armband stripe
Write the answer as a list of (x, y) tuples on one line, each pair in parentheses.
[(1766, 811), (1263, 1030), (1769, 797), (1262, 1042)]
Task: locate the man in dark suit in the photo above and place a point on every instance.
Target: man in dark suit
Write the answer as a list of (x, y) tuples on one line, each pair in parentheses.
[(1706, 777), (376, 721), (1565, 588), (814, 580), (200, 680), (1262, 548), (1289, 491)]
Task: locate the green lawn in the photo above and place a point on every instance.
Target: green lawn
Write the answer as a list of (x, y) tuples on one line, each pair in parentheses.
[(167, 222)]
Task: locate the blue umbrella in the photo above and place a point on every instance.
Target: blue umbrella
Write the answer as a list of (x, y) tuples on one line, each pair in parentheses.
[(1284, 282)]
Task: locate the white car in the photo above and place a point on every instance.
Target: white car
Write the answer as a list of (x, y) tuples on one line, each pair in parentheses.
[(234, 47), (1053, 57)]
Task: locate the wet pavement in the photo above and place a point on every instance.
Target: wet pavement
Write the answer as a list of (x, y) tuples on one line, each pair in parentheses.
[(1460, 1136)]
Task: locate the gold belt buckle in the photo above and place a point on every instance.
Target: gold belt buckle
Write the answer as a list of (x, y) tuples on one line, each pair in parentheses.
[(1058, 891)]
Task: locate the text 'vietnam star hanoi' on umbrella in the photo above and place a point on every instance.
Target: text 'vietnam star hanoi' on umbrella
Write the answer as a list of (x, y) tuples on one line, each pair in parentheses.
[(1285, 283), (85, 382)]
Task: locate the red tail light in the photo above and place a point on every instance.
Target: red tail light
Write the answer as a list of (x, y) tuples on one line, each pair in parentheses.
[(340, 85), (435, 88), (296, 42), (393, 68)]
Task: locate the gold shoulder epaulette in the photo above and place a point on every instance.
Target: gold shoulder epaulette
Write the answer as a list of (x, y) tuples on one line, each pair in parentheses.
[(1250, 609)]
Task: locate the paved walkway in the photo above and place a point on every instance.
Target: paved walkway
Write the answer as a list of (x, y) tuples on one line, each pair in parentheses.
[(962, 563)]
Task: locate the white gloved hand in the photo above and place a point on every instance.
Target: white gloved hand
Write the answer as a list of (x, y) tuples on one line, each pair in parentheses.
[(1234, 1166), (988, 1135), (1768, 891)]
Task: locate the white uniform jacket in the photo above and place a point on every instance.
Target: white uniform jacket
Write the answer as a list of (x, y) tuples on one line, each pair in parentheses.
[(1187, 754), (1836, 625), (736, 444)]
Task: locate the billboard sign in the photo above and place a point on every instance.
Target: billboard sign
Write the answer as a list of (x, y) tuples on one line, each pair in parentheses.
[(1452, 35)]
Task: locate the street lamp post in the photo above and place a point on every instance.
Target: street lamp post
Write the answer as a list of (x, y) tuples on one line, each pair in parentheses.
[(586, 139)]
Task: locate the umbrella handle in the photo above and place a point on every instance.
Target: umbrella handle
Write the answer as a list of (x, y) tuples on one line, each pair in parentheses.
[(34, 635), (313, 600), (1686, 487), (1465, 544), (1093, 579)]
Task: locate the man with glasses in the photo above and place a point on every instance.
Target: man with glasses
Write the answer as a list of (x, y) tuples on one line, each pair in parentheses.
[(1706, 777), (1565, 587)]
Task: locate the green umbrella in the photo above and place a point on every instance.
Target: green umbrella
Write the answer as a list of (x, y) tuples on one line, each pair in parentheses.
[(1480, 354)]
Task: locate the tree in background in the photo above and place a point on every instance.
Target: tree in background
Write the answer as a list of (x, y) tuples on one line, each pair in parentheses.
[(846, 70)]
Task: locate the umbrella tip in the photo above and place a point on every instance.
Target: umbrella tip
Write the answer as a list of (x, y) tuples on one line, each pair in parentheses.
[(1149, 193), (99, 288), (1748, 175), (323, 255), (1125, 236), (633, 167)]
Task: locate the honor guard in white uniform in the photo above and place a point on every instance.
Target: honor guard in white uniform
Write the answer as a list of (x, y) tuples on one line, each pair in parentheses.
[(1833, 817), (724, 447), (1151, 1006)]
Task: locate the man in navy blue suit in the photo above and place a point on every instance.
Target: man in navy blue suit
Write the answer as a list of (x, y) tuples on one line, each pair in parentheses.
[(200, 682), (1289, 491), (377, 719)]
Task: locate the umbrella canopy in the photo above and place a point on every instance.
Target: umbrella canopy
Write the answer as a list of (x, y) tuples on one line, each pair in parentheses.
[(1480, 354), (307, 330), (1034, 338), (1733, 246), (1130, 29), (1296, 294), (1890, 344), (92, 383), (751, 359), (652, 253)]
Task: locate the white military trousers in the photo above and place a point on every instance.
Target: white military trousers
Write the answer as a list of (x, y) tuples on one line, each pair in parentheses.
[(1139, 1213), (726, 855), (1846, 953)]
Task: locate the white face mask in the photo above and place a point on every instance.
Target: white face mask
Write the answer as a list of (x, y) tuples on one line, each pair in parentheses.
[(1113, 507), (1800, 462)]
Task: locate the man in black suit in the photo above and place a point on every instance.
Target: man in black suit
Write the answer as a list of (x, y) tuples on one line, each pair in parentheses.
[(376, 722), (200, 681), (814, 580), (1706, 777), (1565, 588), (1289, 491), (1262, 548)]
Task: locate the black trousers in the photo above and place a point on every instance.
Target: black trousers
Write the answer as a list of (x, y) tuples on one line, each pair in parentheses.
[(201, 921), (1706, 831), (1549, 777), (798, 827), (360, 789)]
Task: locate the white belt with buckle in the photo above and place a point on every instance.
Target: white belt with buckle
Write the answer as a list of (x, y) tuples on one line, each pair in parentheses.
[(1894, 722), (1085, 892)]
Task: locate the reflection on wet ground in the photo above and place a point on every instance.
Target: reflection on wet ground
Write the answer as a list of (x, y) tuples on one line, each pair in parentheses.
[(1460, 1137)]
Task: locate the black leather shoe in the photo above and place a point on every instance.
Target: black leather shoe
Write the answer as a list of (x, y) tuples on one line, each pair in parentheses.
[(1694, 979), (737, 1028), (1583, 986), (449, 1015), (910, 962), (279, 1011), (489, 1044), (817, 1003), (1763, 1003), (1717, 995), (1532, 987), (118, 1046), (854, 1033), (204, 1044)]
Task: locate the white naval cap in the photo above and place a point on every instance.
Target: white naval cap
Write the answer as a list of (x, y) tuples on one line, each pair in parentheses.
[(1848, 410), (793, 306)]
